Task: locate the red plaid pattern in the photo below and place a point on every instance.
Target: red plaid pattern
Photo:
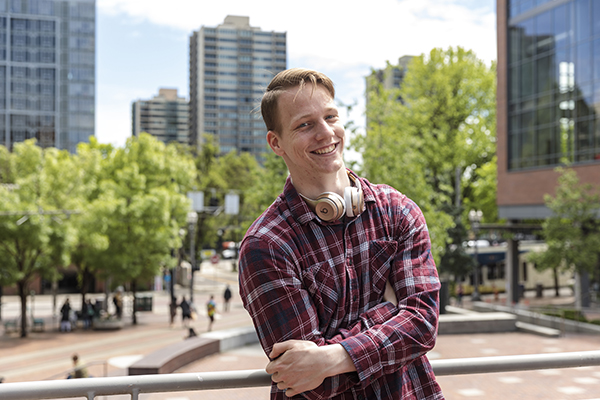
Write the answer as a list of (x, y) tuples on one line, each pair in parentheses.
[(302, 278)]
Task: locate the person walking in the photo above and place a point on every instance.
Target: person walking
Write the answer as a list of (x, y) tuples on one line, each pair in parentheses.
[(186, 311), (211, 309), (227, 297)]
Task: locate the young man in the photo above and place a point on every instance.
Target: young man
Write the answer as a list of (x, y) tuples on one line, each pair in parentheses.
[(315, 266)]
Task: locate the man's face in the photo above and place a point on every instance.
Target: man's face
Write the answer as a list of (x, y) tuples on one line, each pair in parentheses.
[(311, 139)]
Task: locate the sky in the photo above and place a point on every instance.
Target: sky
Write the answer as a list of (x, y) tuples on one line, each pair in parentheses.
[(143, 45)]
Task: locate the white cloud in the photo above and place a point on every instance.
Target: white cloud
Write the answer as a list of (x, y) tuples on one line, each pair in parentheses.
[(342, 38)]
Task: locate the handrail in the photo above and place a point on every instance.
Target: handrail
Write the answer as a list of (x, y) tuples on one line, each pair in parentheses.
[(134, 385)]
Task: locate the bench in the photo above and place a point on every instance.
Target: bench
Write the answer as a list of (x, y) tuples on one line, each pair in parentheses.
[(172, 357), (38, 325), (10, 326)]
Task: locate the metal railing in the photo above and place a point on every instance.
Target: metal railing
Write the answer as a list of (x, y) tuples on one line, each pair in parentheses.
[(135, 385), (86, 366)]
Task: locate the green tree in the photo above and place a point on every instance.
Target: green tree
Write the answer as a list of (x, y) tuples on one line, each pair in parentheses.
[(145, 183), (445, 121), (572, 233), (235, 173), (39, 190), (269, 184), (91, 224)]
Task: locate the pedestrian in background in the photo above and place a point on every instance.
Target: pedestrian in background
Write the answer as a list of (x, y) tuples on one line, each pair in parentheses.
[(118, 302), (78, 370), (227, 297), (172, 310), (87, 314), (211, 309), (186, 311), (65, 316)]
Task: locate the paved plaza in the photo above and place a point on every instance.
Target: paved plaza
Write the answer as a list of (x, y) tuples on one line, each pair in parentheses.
[(47, 355)]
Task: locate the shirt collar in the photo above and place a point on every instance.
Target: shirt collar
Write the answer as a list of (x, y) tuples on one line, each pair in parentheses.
[(303, 214)]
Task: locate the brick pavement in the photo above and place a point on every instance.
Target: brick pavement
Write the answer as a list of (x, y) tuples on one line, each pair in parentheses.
[(42, 355)]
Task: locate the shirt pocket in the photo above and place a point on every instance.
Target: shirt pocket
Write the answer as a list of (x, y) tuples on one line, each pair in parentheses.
[(325, 286), (381, 257)]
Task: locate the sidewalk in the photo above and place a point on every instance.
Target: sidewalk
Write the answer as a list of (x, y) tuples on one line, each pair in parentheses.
[(48, 354), (45, 355)]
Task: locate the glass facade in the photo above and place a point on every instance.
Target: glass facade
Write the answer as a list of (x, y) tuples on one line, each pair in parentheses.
[(47, 72), (554, 82), (234, 64)]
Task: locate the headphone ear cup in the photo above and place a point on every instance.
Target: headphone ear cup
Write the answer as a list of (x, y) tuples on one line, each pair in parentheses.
[(330, 206), (354, 201)]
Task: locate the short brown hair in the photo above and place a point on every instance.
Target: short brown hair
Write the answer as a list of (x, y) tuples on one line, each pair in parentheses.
[(283, 81)]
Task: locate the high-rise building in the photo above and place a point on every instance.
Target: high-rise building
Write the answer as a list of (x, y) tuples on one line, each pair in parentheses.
[(230, 67), (164, 116), (391, 76), (47, 71), (548, 107)]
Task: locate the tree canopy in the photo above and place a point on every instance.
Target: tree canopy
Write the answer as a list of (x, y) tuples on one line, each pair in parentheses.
[(441, 118)]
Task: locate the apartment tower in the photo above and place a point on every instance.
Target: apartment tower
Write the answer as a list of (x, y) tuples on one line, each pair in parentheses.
[(230, 67), (164, 116), (47, 72)]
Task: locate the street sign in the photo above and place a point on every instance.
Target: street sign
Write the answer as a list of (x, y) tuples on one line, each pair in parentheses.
[(214, 259)]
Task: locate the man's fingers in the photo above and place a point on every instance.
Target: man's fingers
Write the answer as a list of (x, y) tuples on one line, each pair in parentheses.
[(278, 349)]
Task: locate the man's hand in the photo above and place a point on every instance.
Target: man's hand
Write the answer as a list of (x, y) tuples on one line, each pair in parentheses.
[(300, 365)]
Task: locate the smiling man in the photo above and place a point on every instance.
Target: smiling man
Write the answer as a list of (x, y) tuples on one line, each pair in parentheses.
[(314, 267)]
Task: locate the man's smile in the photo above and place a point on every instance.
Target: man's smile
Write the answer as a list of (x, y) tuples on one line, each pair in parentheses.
[(326, 150)]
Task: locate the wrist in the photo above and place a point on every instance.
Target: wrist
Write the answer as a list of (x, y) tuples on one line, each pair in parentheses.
[(339, 361)]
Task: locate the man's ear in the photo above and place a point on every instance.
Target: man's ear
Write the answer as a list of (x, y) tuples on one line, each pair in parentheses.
[(273, 140)]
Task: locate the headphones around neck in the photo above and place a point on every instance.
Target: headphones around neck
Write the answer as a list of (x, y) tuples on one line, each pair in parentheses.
[(330, 206)]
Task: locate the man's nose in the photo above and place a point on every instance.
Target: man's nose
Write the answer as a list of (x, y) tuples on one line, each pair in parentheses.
[(324, 130)]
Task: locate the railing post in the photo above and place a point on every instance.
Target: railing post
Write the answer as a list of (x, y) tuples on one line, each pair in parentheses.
[(135, 392)]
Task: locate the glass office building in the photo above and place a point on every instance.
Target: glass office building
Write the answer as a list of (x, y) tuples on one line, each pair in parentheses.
[(548, 99), (230, 67), (47, 72), (554, 82)]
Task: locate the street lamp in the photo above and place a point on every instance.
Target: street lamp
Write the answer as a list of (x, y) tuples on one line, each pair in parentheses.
[(192, 219), (475, 217)]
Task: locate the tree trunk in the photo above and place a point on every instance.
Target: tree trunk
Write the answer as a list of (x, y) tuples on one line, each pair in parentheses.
[(23, 296), (556, 288), (133, 312)]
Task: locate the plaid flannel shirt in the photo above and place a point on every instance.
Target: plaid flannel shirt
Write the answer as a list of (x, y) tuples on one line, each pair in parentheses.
[(303, 278)]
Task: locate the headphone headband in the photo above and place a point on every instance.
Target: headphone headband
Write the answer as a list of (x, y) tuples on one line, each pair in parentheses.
[(330, 206)]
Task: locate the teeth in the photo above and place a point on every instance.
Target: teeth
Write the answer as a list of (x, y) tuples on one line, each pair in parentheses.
[(326, 150)]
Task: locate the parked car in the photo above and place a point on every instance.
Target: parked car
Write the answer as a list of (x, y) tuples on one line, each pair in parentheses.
[(229, 254)]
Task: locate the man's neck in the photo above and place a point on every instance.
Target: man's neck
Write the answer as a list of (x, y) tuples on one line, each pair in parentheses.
[(312, 188)]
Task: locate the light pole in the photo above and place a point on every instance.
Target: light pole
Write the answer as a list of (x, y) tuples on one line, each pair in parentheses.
[(192, 219), (475, 218)]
